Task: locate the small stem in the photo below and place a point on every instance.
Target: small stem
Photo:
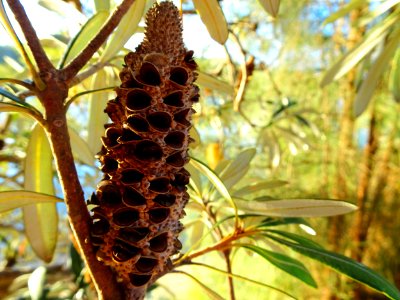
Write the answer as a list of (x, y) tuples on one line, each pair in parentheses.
[(229, 270), (69, 72), (31, 37)]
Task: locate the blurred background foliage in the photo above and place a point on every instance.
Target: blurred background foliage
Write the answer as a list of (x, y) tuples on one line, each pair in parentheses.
[(301, 96)]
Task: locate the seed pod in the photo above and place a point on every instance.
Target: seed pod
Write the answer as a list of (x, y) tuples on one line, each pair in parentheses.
[(139, 202)]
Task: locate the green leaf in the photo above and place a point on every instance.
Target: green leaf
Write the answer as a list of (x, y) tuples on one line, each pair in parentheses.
[(340, 13), (214, 179), (346, 266), (40, 220), (394, 77), (259, 186), (10, 200), (125, 30), (11, 96), (271, 7), (237, 168), (377, 11), (213, 18), (27, 109), (296, 207), (80, 148), (36, 283), (84, 36), (297, 238), (370, 83), (285, 263), (102, 5), (97, 117), (355, 55), (213, 83), (211, 294)]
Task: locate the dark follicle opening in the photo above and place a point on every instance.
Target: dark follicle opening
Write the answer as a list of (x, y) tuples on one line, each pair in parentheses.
[(179, 75), (125, 217), (165, 199), (130, 176), (122, 251), (138, 279), (112, 135), (133, 235), (100, 227), (138, 124), (138, 99), (174, 99), (131, 84), (181, 117), (160, 121), (159, 243), (96, 241), (109, 164), (148, 151), (132, 197), (159, 185), (146, 264), (158, 215), (128, 136), (189, 60), (176, 160), (109, 195), (175, 139), (149, 74)]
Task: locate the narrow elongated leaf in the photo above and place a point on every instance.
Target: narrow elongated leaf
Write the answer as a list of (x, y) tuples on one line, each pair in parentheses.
[(368, 86), (296, 207), (377, 11), (195, 180), (102, 5), (36, 283), (237, 168), (211, 294), (394, 77), (125, 30), (40, 220), (346, 266), (84, 36), (80, 148), (10, 200), (213, 83), (270, 6), (10, 107), (97, 117), (296, 238), (214, 179), (259, 186), (213, 18), (340, 13), (11, 96), (285, 263), (353, 57)]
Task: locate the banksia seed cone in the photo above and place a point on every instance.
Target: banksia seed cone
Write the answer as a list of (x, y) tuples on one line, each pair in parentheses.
[(141, 198)]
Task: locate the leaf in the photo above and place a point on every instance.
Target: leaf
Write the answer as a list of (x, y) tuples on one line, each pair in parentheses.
[(213, 83), (40, 220), (211, 294), (36, 283), (195, 180), (346, 266), (194, 134), (271, 7), (340, 13), (394, 77), (297, 238), (82, 38), (80, 148), (30, 111), (97, 117), (214, 179), (102, 5), (355, 55), (237, 168), (125, 30), (11, 96), (213, 18), (10, 200), (377, 11), (259, 186), (368, 86), (285, 263), (297, 207)]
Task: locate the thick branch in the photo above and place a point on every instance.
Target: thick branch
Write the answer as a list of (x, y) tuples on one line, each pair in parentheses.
[(77, 64), (31, 37)]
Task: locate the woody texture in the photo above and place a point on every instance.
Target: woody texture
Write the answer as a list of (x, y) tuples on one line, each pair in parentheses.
[(137, 205)]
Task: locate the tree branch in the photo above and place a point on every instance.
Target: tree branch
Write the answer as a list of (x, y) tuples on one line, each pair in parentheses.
[(69, 72), (31, 37)]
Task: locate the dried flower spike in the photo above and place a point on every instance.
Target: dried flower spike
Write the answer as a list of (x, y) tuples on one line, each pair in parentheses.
[(139, 202)]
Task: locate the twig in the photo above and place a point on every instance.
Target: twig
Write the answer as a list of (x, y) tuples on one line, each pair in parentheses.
[(38, 53), (69, 72)]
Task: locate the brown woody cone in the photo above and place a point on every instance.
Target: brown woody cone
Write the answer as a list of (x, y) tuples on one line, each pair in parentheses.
[(141, 198)]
